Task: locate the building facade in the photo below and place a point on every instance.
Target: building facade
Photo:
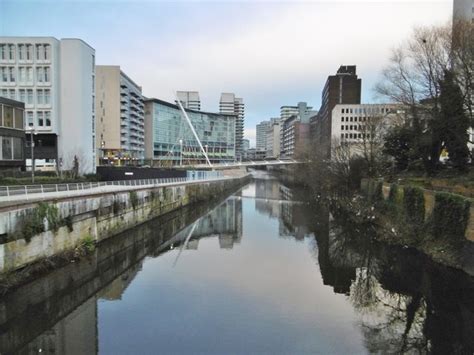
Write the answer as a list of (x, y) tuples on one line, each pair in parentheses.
[(229, 104), (55, 79), (12, 134), (294, 137), (170, 141), (190, 99), (120, 136), (302, 111), (273, 139), (342, 88), (463, 9), (261, 135), (359, 126)]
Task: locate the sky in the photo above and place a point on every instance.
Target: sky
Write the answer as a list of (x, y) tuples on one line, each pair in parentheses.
[(270, 53)]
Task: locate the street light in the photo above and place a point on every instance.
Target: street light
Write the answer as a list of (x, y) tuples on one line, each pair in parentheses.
[(32, 152)]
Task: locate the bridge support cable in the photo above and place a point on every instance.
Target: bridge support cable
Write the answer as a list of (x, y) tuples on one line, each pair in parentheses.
[(183, 112)]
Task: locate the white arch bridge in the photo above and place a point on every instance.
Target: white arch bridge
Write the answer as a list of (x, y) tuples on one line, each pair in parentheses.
[(244, 164)]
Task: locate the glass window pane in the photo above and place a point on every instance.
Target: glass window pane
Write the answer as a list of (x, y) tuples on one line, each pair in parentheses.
[(18, 118), (7, 116), (17, 148), (6, 148)]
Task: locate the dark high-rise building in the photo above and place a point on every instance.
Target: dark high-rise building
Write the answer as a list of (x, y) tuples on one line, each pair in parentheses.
[(342, 88)]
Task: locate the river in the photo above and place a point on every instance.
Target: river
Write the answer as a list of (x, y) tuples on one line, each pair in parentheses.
[(263, 271)]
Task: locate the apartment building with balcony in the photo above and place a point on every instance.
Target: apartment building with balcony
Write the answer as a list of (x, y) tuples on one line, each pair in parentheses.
[(55, 79), (230, 104), (190, 99), (120, 137)]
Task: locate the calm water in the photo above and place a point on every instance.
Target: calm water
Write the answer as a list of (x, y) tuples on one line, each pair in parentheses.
[(261, 272)]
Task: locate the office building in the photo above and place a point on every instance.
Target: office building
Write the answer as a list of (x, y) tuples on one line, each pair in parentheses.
[(342, 88), (302, 111), (120, 136), (353, 125), (261, 135), (273, 139), (229, 104), (190, 99), (55, 79), (169, 139), (12, 134)]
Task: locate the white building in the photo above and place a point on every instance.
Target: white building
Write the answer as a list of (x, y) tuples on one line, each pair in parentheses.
[(353, 124), (190, 99), (261, 135), (302, 111), (56, 81), (273, 139), (120, 118), (230, 104)]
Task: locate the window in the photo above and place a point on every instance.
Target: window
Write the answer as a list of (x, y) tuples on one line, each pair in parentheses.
[(3, 74), (11, 71), (3, 51), (40, 117), (39, 52), (47, 52), (11, 52), (29, 118), (22, 74), (39, 74), (7, 148), (18, 118), (47, 96), (7, 116), (29, 97), (47, 116), (46, 74), (21, 52), (17, 148), (29, 74), (29, 52), (22, 95), (39, 97), (342, 128)]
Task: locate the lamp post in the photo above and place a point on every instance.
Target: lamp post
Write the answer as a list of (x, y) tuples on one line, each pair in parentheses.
[(205, 147), (32, 152), (180, 152)]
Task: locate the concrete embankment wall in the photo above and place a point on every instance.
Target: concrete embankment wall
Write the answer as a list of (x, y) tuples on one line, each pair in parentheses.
[(31, 232), (444, 212)]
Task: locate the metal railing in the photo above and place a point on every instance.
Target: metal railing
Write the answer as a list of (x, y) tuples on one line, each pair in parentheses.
[(28, 192)]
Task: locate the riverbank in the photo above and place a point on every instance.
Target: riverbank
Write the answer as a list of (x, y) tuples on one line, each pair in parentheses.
[(31, 232)]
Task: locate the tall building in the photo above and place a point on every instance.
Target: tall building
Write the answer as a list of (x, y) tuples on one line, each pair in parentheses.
[(463, 9), (342, 88), (190, 99), (302, 111), (12, 134), (55, 79), (233, 105), (120, 136), (294, 137), (273, 139), (170, 141), (261, 135)]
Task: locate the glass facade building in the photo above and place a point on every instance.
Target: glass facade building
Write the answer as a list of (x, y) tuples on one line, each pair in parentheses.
[(12, 134), (170, 141)]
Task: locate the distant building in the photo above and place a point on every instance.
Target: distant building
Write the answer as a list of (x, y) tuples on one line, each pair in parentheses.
[(352, 125), (342, 88), (302, 111), (273, 139), (463, 9), (229, 104), (169, 139), (190, 99), (120, 136), (261, 135), (55, 79), (245, 144), (12, 135), (294, 137)]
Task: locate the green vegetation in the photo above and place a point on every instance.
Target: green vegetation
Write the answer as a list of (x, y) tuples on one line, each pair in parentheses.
[(88, 244), (133, 199), (414, 204), (450, 216), (47, 179)]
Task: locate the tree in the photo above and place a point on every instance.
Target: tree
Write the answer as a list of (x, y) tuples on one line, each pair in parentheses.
[(397, 144), (454, 121)]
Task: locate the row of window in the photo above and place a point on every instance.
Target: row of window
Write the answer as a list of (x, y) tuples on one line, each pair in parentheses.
[(42, 118), (355, 135), (366, 110), (25, 52), (28, 96), (351, 127), (11, 148), (10, 74), (353, 119), (11, 117)]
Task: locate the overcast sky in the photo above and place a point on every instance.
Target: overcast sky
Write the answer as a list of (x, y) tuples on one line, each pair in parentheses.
[(271, 53)]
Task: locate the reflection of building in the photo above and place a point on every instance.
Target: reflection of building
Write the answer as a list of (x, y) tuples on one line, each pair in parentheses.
[(168, 137), (12, 134), (120, 117), (74, 334), (116, 288)]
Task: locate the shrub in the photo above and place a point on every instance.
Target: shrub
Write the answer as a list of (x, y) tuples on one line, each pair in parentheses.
[(450, 216), (414, 203), (392, 195)]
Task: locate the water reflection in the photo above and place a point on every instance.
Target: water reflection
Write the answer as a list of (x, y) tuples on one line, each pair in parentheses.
[(263, 272)]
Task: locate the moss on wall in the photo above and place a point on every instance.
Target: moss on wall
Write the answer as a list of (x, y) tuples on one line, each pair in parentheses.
[(450, 216)]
